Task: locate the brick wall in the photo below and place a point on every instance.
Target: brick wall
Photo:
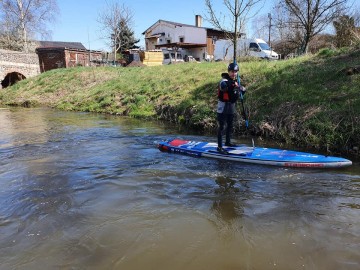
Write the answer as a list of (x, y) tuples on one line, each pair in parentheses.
[(18, 57), (51, 59), (24, 63)]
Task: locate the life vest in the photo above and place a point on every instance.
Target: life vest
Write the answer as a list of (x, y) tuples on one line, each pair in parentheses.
[(232, 92)]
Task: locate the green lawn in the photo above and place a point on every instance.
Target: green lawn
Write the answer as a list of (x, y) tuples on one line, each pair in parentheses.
[(307, 101)]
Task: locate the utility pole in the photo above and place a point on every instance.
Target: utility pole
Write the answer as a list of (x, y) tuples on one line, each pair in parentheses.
[(269, 16), (89, 48), (115, 35)]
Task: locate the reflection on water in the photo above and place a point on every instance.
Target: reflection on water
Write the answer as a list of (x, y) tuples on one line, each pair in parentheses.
[(227, 206), (84, 191)]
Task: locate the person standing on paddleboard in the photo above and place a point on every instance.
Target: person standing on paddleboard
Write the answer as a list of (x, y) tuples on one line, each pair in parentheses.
[(228, 94)]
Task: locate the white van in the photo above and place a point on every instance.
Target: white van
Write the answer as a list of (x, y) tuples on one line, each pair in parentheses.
[(259, 48), (224, 49)]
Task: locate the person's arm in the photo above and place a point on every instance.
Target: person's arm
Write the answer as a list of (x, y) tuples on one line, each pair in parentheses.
[(223, 86)]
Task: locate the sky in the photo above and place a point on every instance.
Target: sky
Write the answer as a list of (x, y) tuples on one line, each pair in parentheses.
[(77, 19)]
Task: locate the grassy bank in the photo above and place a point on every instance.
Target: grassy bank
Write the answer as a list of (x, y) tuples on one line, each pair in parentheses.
[(308, 101)]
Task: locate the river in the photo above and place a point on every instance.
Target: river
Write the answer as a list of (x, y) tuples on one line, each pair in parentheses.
[(89, 191)]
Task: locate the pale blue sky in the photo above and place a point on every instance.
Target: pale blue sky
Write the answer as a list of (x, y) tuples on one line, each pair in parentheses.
[(77, 19)]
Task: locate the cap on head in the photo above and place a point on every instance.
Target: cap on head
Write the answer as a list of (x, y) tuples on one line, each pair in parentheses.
[(233, 67)]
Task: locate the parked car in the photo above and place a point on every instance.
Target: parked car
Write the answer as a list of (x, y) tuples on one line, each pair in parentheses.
[(224, 49)]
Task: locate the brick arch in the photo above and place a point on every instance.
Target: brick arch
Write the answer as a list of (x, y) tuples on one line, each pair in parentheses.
[(12, 78), (18, 70), (25, 65)]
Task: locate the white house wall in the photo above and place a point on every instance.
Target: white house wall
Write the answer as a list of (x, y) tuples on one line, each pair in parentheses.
[(175, 32)]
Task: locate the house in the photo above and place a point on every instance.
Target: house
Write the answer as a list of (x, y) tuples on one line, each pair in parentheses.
[(55, 54), (192, 40)]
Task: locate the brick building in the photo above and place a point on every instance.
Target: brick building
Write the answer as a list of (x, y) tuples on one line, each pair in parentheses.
[(55, 54)]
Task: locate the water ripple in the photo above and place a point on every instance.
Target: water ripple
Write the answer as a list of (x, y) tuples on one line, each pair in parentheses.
[(87, 191)]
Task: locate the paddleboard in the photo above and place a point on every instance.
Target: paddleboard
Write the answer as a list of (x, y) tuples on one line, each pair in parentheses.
[(256, 155)]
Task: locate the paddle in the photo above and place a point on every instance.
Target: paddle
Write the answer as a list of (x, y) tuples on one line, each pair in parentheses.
[(242, 99), (242, 103)]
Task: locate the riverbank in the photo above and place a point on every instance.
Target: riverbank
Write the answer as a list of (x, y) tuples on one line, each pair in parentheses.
[(310, 101)]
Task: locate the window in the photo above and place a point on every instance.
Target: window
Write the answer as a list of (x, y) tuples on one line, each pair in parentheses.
[(264, 46), (253, 46), (181, 39)]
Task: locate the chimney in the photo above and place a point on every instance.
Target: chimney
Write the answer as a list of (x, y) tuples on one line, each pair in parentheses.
[(198, 21)]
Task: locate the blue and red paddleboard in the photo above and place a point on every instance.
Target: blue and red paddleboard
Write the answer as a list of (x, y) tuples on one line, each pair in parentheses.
[(256, 155)]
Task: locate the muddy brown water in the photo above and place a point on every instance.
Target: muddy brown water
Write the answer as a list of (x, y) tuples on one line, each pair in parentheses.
[(87, 191)]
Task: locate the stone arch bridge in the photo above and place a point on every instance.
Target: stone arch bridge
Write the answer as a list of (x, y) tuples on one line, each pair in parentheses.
[(16, 66)]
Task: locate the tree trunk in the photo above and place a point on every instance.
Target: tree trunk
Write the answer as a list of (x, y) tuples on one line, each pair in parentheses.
[(235, 32), (305, 45), (22, 25)]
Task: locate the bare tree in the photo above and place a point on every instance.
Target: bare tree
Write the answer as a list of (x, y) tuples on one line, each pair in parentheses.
[(356, 31), (113, 20), (233, 22), (356, 16), (287, 35), (8, 34), (312, 16), (345, 29), (260, 26), (26, 18)]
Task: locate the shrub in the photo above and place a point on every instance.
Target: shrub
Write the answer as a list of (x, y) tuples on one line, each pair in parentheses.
[(326, 52)]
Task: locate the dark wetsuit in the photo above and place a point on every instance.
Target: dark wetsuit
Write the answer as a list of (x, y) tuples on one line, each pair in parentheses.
[(228, 95)]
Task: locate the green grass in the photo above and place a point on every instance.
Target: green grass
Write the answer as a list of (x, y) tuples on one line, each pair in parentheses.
[(307, 101)]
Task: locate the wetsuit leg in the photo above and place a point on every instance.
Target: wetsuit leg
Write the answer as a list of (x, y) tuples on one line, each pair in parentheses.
[(221, 123), (229, 127)]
